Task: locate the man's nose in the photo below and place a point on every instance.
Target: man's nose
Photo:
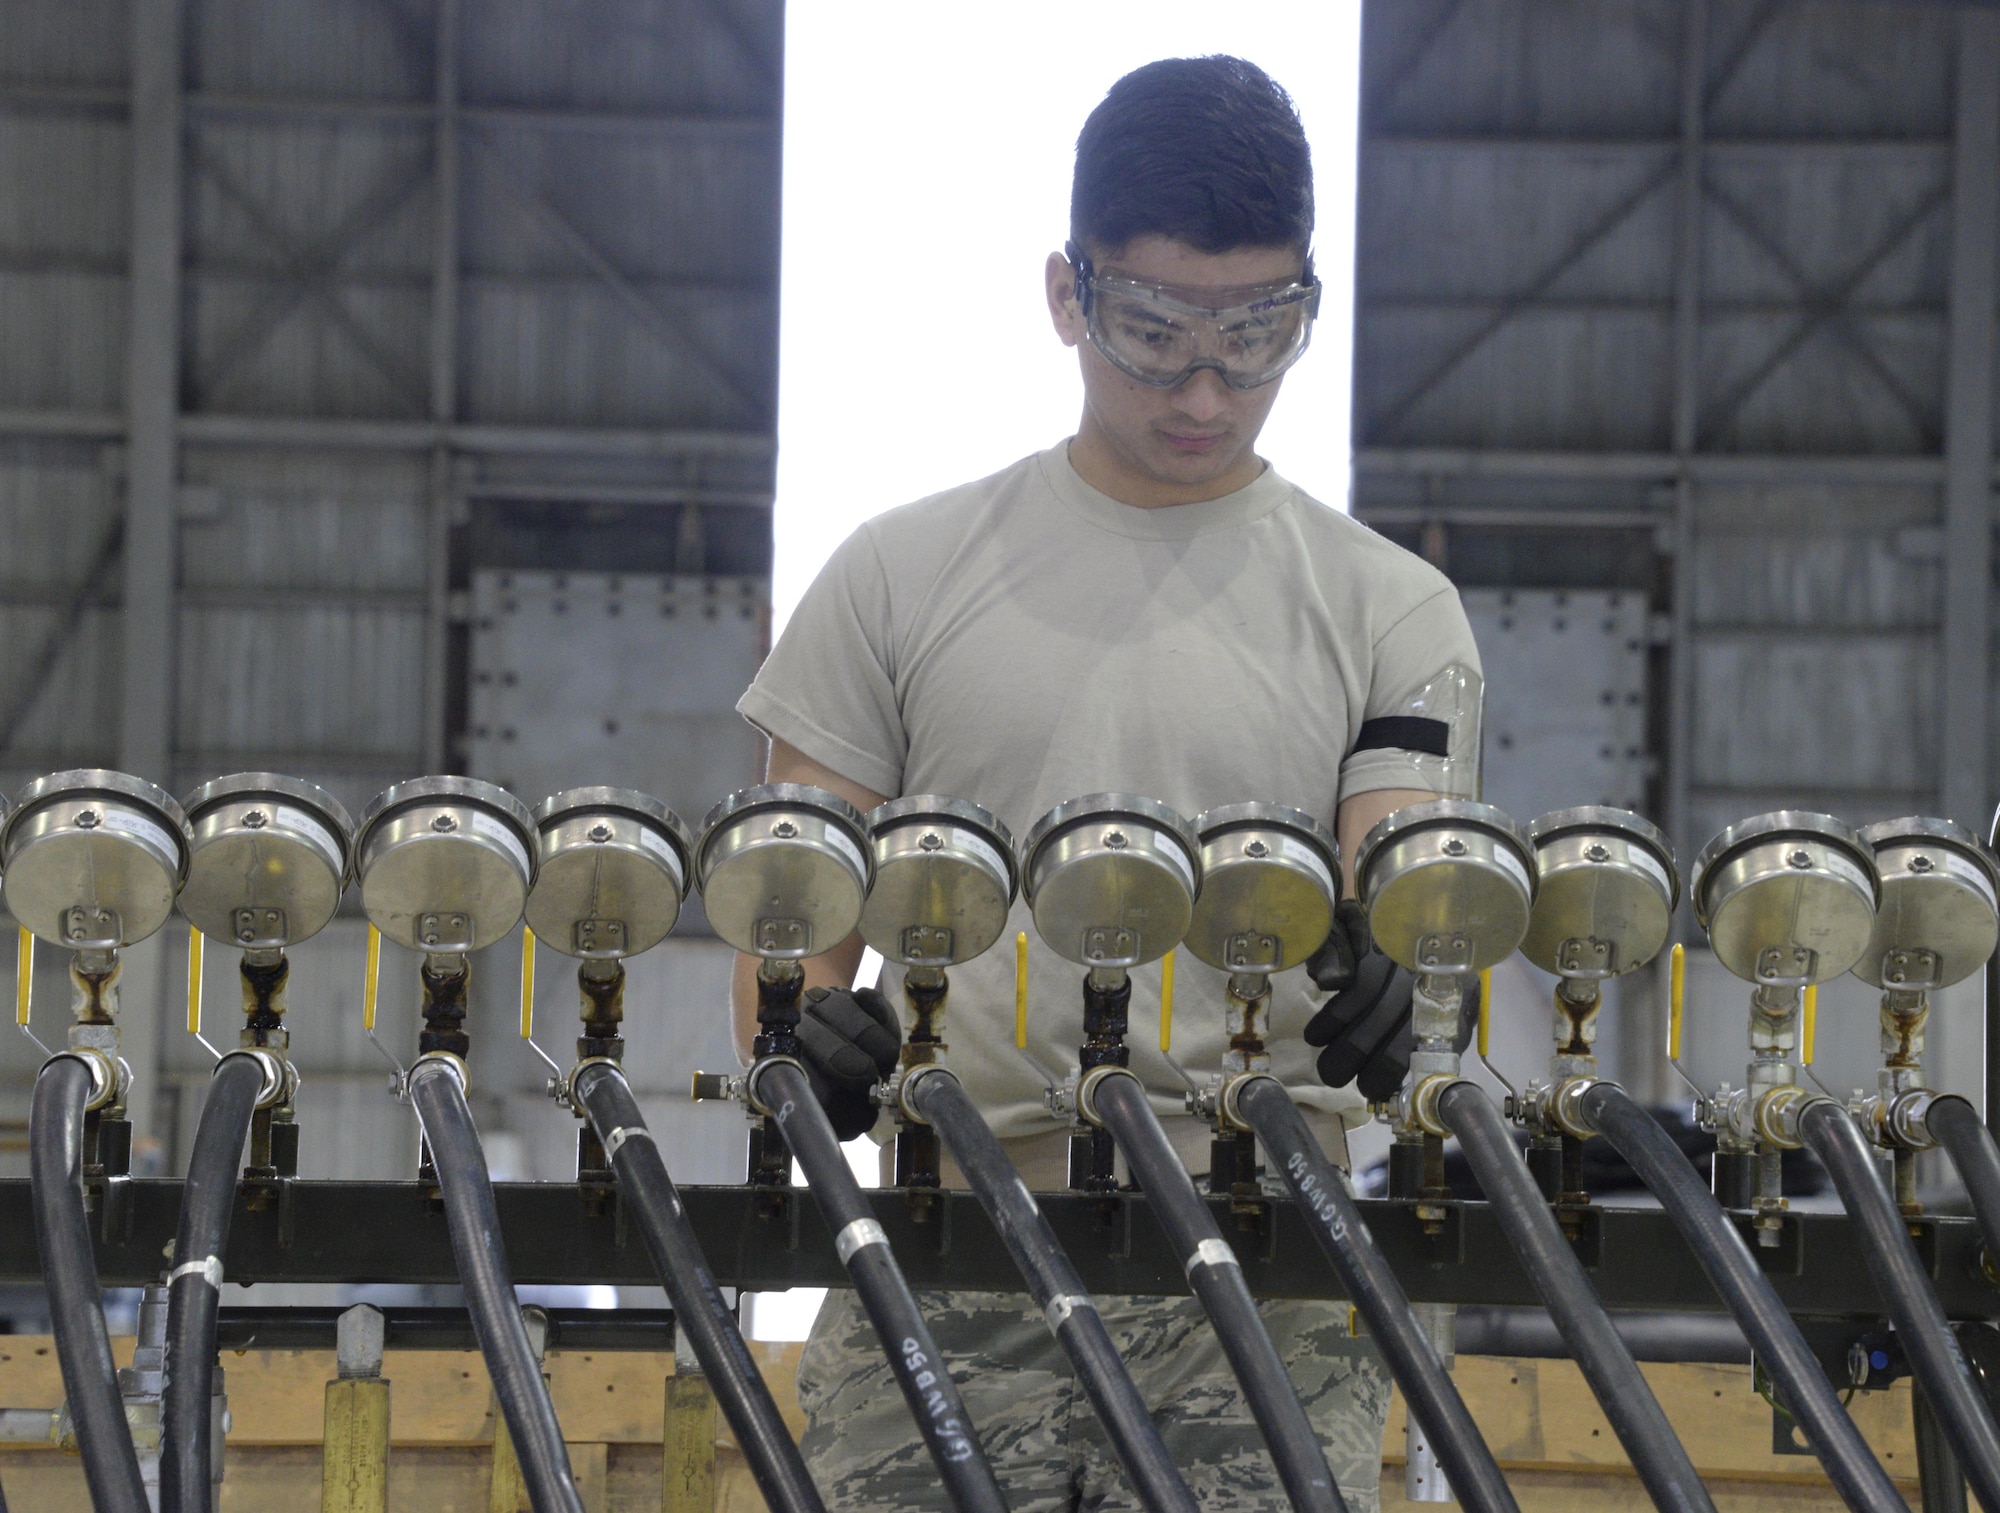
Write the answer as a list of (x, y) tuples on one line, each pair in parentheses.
[(1203, 396)]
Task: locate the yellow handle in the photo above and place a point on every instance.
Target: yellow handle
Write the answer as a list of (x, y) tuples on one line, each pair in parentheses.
[(1021, 991), (1810, 1015), (1167, 1002), (195, 944), (24, 975), (527, 982), (374, 976), (1485, 1008), (1676, 982)]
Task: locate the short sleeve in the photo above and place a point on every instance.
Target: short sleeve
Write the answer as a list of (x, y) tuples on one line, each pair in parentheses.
[(828, 686), (1407, 658)]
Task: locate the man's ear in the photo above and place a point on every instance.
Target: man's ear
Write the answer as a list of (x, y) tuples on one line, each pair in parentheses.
[(1059, 281)]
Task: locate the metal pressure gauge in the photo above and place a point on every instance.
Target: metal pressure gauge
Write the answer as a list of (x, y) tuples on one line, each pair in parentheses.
[(1448, 885), (1938, 922), (270, 858), (1111, 879), (1788, 898), (784, 869), (1270, 877), (944, 880), (613, 870), (445, 863), (92, 859), (1605, 892)]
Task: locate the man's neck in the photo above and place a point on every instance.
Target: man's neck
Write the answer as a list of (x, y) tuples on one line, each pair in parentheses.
[(1105, 468)]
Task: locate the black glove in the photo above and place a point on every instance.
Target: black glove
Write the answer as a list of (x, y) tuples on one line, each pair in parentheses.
[(1365, 1026), (849, 1041)]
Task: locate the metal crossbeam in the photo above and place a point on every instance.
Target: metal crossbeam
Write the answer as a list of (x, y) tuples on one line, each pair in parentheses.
[(42, 665), (1382, 425), (1825, 306), (665, 328), (312, 268)]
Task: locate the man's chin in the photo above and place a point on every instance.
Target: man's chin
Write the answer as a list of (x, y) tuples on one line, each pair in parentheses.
[(1172, 465)]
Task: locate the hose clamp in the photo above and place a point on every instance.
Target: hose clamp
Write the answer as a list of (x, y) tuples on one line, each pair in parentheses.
[(1230, 1104), (104, 1069), (454, 1067), (564, 1089), (1565, 1106), (1906, 1120), (270, 1065), (755, 1075), (1424, 1100), (1778, 1113), (906, 1090), (1086, 1092)]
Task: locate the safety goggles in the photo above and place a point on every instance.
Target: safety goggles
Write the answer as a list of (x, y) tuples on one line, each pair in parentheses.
[(1160, 338)]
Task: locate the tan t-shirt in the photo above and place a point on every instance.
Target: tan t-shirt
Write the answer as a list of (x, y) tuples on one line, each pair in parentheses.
[(1026, 639)]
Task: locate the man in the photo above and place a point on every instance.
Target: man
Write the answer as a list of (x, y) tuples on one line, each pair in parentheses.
[(1145, 608)]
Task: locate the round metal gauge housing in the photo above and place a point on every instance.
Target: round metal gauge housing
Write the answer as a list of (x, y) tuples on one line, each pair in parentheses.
[(944, 880), (784, 869), (1940, 914), (613, 871), (1448, 885), (445, 863), (1270, 877), (270, 857), (1605, 892), (1111, 879), (92, 859), (1788, 898)]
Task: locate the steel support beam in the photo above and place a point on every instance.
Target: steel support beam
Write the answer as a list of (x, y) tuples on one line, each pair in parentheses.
[(1964, 790), (152, 392), (445, 179)]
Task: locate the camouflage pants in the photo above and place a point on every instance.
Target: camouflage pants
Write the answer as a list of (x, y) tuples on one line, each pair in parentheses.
[(1036, 1423)]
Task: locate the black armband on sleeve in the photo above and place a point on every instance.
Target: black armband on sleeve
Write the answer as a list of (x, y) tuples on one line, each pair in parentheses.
[(1405, 733)]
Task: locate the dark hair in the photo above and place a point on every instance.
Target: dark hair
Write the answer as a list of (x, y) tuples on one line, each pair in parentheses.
[(1207, 151)]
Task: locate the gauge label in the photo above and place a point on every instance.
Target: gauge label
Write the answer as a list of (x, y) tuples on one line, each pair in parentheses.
[(498, 830)]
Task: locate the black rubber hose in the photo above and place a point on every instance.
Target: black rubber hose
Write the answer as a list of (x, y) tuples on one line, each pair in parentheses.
[(1955, 1124), (1057, 1290), (1614, 1377), (947, 1429), (699, 1311), (1336, 1223), (439, 1099), (208, 1201), (1913, 1307), (69, 1273), (1217, 1280), (1740, 1282)]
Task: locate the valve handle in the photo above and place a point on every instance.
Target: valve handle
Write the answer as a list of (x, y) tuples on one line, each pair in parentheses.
[(1021, 991), (373, 978), (196, 944), (24, 976), (1809, 1024), (1166, 1003), (527, 982)]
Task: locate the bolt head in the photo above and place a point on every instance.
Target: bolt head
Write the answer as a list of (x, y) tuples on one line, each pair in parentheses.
[(444, 824), (255, 819)]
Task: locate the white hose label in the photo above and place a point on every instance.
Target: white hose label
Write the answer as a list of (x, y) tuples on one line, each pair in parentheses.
[(110, 817), (858, 1236), (651, 840), (208, 1268), (495, 830), (1211, 1253), (1061, 1306), (615, 1141), (285, 817)]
